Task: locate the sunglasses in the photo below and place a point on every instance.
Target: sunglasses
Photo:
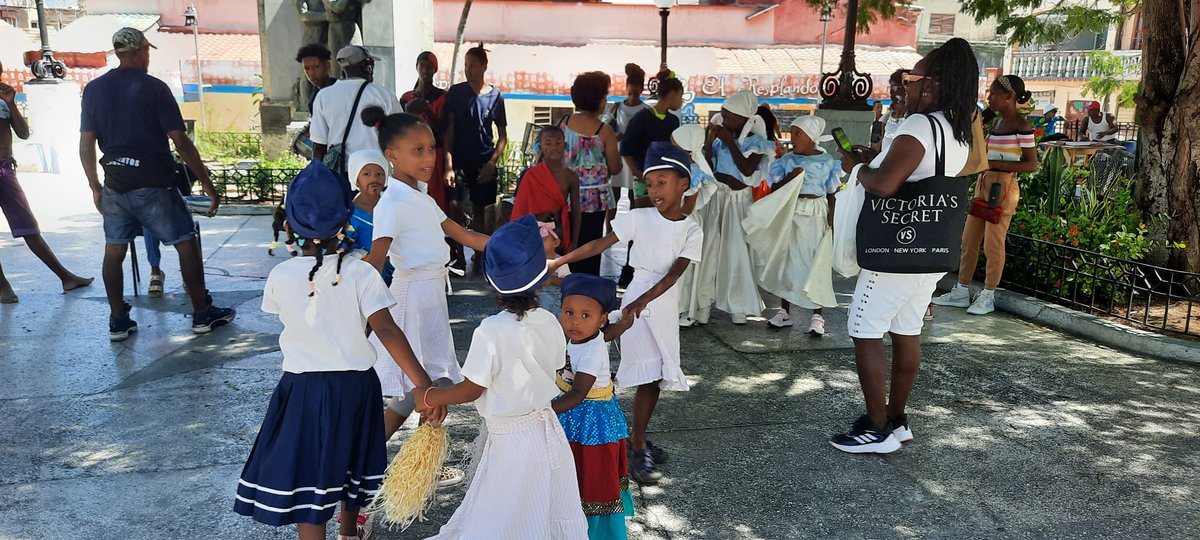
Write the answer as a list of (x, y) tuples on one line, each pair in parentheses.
[(910, 78)]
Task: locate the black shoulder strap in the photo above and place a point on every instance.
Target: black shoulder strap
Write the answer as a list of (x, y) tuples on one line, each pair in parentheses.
[(939, 145), (353, 112)]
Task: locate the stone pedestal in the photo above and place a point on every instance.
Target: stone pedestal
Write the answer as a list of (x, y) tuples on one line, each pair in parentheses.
[(396, 31), (54, 108), (856, 123)]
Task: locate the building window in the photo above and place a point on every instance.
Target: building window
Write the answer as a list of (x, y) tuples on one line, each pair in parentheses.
[(1137, 34), (545, 116), (941, 24)]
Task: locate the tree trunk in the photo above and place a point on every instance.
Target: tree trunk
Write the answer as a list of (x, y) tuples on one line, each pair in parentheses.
[(458, 39), (1169, 113)]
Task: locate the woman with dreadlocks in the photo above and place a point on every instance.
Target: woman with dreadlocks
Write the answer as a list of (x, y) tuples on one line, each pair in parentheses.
[(322, 440), (940, 96)]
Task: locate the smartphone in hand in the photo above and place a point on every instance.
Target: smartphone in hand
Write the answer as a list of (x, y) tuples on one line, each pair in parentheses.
[(843, 141)]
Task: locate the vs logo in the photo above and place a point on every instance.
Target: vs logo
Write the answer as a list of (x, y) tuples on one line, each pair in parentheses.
[(906, 236)]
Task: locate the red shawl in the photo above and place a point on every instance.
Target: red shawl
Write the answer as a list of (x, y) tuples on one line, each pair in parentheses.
[(539, 193)]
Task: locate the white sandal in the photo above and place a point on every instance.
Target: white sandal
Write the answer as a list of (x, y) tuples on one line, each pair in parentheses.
[(155, 290)]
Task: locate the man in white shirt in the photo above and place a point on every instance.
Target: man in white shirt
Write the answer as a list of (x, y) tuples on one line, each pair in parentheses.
[(332, 112)]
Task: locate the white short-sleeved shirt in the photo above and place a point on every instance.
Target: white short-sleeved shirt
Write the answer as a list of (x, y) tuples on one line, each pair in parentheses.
[(590, 357), (325, 332), (917, 126), (331, 112), (659, 241), (413, 220), (517, 361)]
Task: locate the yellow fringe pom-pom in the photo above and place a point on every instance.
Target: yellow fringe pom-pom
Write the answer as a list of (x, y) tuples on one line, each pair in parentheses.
[(411, 479)]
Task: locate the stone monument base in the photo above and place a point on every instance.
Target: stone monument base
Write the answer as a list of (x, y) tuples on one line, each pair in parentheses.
[(856, 123)]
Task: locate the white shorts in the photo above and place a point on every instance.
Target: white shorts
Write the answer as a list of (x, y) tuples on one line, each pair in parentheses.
[(890, 303)]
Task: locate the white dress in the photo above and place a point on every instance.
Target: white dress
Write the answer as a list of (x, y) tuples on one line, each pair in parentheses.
[(524, 485), (735, 290), (419, 252), (789, 236), (650, 348)]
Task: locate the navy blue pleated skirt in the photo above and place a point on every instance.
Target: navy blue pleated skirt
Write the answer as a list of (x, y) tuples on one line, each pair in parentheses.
[(321, 444)]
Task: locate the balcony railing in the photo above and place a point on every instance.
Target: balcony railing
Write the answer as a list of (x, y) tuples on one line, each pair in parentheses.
[(1033, 65)]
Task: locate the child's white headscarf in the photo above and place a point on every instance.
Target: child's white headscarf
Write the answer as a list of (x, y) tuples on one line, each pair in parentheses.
[(744, 103), (814, 127), (362, 158), (691, 138)]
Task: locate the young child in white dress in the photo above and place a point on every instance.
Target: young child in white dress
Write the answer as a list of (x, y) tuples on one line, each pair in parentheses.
[(698, 286), (741, 156), (789, 231), (410, 232), (525, 483), (667, 243)]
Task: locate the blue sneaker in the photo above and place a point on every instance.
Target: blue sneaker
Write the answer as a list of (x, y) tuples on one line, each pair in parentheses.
[(643, 470), (866, 439), (211, 317), (119, 328)]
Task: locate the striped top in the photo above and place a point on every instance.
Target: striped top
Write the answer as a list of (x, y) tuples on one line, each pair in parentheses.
[(1007, 146)]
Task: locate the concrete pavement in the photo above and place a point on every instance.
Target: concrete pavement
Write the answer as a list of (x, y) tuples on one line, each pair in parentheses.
[(1021, 431)]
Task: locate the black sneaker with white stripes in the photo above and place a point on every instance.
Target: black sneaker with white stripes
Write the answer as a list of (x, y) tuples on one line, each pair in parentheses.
[(863, 438)]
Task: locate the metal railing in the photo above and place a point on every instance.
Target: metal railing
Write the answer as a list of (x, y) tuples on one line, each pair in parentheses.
[(1159, 299), (269, 185), (252, 186), (1126, 131), (1034, 65)]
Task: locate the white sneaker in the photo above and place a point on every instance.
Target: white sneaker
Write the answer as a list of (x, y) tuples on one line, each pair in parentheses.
[(738, 319), (816, 326), (959, 297), (781, 320), (686, 322), (450, 476), (984, 303)]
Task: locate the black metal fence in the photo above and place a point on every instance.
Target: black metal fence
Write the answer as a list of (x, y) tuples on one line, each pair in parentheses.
[(1126, 131), (1160, 299), (269, 185), (252, 186)]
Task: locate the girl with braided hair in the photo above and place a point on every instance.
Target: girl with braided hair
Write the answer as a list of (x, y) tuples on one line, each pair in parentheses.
[(940, 98), (410, 232), (322, 442), (1011, 150)]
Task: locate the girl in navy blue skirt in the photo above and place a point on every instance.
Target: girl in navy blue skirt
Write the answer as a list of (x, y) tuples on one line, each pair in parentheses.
[(322, 442)]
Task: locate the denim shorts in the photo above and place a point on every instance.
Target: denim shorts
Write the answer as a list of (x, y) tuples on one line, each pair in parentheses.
[(161, 210)]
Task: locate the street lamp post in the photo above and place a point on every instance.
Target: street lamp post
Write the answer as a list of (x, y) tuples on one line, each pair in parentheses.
[(826, 16), (190, 19), (664, 11), (847, 89), (46, 70)]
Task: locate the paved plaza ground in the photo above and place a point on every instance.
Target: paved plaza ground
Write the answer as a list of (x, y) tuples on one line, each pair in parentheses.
[(1021, 431)]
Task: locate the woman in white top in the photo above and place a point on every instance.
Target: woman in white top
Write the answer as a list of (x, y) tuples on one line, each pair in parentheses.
[(942, 86), (618, 115), (524, 485), (411, 231)]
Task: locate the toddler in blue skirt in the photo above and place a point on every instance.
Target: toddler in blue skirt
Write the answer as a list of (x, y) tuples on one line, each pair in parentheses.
[(322, 442)]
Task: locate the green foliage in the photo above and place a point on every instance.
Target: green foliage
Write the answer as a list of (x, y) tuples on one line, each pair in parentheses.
[(1059, 205), (1034, 21), (228, 147), (1110, 76)]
